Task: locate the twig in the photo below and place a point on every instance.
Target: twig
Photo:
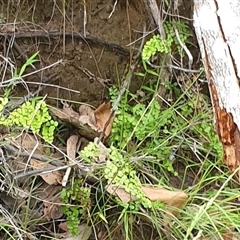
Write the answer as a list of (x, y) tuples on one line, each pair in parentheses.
[(7, 172), (83, 169), (24, 153), (84, 18), (190, 57), (92, 76), (40, 171), (113, 10), (173, 67), (156, 16), (64, 26)]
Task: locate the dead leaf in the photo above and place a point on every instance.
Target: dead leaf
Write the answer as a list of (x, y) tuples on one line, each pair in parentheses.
[(102, 114), (72, 146), (170, 198), (31, 145), (174, 199), (66, 114), (52, 210), (119, 191), (54, 177), (230, 236), (85, 110), (84, 121), (63, 226), (103, 151), (51, 201), (72, 143), (48, 192)]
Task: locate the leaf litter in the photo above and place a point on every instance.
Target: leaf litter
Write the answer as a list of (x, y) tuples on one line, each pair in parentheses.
[(72, 146), (32, 145), (93, 121), (174, 198), (103, 114)]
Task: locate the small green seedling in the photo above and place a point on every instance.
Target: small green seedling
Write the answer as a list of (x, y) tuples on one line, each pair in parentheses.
[(29, 61), (165, 46), (76, 204)]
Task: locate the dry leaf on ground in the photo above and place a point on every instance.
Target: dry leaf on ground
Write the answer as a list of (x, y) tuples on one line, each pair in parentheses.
[(72, 146), (52, 210), (53, 177), (63, 226), (224, 237), (120, 192), (85, 116), (171, 198), (174, 199), (103, 152), (31, 144), (86, 111), (51, 201), (84, 120), (102, 114), (72, 143)]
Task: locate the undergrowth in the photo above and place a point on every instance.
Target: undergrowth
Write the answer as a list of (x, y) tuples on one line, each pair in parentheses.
[(170, 145), (159, 138)]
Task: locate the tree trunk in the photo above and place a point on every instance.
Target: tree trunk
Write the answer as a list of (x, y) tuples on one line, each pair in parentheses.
[(217, 27)]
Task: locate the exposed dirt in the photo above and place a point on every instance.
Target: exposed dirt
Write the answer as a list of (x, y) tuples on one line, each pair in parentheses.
[(103, 51)]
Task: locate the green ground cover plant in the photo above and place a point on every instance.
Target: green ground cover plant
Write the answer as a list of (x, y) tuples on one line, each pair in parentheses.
[(159, 44), (33, 114), (160, 137), (165, 136), (77, 202), (171, 146)]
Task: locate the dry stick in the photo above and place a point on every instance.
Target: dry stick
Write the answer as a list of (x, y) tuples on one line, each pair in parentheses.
[(57, 164), (152, 4), (24, 153), (52, 34), (40, 171), (6, 168), (83, 172), (64, 26), (173, 67)]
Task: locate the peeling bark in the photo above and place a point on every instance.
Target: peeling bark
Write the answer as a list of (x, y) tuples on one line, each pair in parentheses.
[(217, 27)]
